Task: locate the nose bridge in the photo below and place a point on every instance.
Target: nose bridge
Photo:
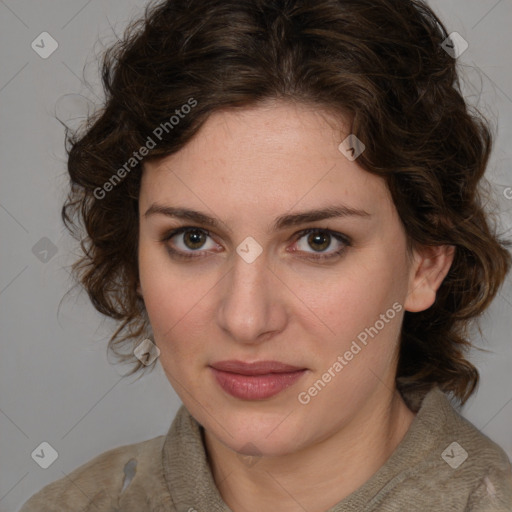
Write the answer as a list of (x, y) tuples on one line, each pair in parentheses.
[(250, 272), (248, 305)]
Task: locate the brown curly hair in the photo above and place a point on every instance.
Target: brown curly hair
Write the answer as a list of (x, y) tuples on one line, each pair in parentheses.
[(379, 62)]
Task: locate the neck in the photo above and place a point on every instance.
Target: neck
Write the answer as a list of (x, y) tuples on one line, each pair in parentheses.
[(319, 476)]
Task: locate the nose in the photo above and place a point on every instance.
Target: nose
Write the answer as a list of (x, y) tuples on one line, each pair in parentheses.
[(251, 307)]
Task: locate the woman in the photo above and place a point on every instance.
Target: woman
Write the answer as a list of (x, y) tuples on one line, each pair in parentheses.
[(281, 205)]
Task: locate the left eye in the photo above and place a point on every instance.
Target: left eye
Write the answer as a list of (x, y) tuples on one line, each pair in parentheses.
[(320, 240)]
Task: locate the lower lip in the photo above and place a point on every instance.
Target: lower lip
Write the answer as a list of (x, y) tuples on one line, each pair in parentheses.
[(255, 387)]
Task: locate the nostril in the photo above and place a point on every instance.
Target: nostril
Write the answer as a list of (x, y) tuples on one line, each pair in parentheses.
[(130, 469)]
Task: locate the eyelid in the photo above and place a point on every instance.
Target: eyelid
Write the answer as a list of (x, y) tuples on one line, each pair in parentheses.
[(335, 234)]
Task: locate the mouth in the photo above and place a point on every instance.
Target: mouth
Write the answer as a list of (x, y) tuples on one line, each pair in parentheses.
[(255, 381)]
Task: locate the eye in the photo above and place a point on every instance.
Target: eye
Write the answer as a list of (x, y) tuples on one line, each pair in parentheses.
[(319, 240), (188, 241)]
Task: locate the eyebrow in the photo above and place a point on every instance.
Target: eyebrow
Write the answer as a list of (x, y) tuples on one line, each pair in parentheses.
[(282, 222)]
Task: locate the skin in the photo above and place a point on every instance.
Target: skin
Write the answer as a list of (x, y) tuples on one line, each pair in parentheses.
[(246, 168)]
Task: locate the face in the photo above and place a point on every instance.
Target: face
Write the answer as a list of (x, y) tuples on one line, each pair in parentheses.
[(251, 279)]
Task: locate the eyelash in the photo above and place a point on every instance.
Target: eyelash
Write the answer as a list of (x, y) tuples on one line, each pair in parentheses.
[(318, 258)]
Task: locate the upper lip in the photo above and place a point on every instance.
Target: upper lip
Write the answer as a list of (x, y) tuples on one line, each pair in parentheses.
[(255, 368)]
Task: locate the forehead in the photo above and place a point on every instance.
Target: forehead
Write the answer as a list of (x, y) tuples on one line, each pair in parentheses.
[(272, 156)]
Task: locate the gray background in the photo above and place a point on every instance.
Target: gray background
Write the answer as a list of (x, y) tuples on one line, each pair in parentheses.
[(56, 382)]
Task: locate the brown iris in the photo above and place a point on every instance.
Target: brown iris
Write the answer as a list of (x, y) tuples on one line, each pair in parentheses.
[(196, 238), (316, 239)]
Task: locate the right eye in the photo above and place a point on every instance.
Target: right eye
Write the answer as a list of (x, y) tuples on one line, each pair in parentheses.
[(192, 240)]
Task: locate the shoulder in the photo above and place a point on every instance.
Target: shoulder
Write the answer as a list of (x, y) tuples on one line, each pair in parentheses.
[(100, 483), (461, 460), (469, 445), (484, 466)]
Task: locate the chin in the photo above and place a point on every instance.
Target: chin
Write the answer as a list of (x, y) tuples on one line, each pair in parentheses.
[(260, 446), (255, 432)]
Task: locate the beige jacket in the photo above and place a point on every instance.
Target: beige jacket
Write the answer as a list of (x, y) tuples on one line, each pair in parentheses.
[(442, 464)]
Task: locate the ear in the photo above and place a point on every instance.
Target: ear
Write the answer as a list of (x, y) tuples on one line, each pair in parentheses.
[(429, 268)]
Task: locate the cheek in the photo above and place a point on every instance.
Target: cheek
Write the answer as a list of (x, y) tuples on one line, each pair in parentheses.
[(362, 308), (161, 290), (359, 296), (169, 309), (176, 301), (174, 324), (364, 315)]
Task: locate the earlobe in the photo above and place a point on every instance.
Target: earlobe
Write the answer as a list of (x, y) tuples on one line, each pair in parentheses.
[(430, 267)]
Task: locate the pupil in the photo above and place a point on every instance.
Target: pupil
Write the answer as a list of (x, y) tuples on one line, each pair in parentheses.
[(195, 238), (316, 238)]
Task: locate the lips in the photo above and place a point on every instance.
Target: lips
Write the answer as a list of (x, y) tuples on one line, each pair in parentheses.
[(255, 381), (256, 368)]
